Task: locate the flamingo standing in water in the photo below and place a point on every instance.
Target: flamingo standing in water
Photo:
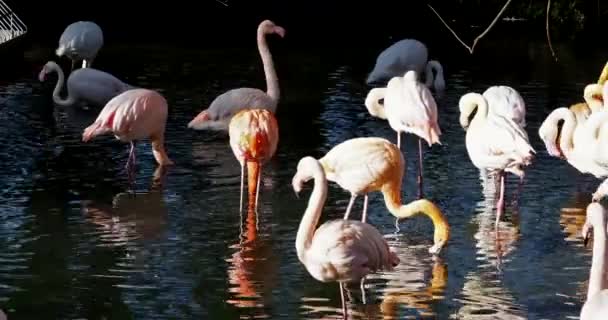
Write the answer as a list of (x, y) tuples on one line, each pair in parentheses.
[(85, 85), (134, 115), (254, 135), (339, 250), (495, 143), (218, 115), (596, 305), (410, 107), (363, 165), (80, 41)]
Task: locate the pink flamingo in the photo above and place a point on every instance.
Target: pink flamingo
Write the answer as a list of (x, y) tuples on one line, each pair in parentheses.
[(134, 115), (341, 250), (254, 135), (218, 115)]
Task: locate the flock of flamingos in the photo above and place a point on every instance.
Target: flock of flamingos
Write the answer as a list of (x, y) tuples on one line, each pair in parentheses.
[(347, 250)]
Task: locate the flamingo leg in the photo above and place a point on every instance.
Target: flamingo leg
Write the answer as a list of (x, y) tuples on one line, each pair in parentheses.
[(420, 191), (73, 64), (364, 216), (84, 63), (399, 140), (363, 290), (130, 167), (257, 191), (344, 311), (350, 205), (242, 186), (500, 205)]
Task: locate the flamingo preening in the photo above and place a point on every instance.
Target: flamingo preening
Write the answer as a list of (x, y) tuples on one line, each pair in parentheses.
[(80, 40)]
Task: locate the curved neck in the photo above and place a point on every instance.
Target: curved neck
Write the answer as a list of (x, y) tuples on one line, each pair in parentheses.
[(565, 140), (434, 80), (594, 97), (598, 262), (604, 75), (57, 91), (312, 214), (471, 101), (272, 81)]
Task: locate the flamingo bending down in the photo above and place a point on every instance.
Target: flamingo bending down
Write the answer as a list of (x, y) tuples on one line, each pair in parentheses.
[(339, 250), (84, 85), (218, 115), (363, 165), (596, 305), (80, 41), (405, 55), (409, 107), (503, 101), (495, 143), (134, 115), (254, 135)]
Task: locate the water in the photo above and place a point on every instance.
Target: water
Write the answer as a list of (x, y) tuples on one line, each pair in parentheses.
[(77, 245)]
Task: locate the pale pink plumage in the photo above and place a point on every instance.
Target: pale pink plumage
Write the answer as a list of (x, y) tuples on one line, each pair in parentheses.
[(134, 115)]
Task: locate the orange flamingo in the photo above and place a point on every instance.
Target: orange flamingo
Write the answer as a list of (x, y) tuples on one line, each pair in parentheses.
[(368, 164), (254, 135), (134, 115), (339, 250)]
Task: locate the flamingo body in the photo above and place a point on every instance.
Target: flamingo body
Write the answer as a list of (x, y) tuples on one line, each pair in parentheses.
[(226, 105), (254, 136), (596, 305), (87, 85), (80, 41)]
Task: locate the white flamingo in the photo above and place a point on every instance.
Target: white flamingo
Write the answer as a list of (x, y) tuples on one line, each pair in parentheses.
[(596, 305), (80, 40), (496, 144), (503, 101)]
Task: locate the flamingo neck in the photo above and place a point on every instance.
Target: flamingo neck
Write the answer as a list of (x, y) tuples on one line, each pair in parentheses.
[(372, 102), (468, 103), (565, 140), (431, 79), (159, 152), (272, 80), (311, 216), (70, 100), (598, 262)]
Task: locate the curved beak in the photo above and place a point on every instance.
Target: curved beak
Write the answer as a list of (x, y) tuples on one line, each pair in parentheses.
[(199, 120), (280, 31)]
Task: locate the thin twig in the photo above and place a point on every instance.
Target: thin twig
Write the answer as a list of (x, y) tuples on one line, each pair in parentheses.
[(471, 48), (547, 28)]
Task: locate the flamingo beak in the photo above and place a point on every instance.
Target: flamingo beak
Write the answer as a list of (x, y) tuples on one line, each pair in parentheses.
[(280, 31), (42, 75), (199, 120)]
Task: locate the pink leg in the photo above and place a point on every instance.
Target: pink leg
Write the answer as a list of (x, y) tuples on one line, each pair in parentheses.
[(350, 205), (257, 191), (420, 191), (399, 140), (500, 205), (364, 216), (344, 311), (242, 186)]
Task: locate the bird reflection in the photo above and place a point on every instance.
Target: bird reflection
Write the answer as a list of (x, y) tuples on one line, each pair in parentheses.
[(403, 293), (252, 272), (132, 216), (572, 216)]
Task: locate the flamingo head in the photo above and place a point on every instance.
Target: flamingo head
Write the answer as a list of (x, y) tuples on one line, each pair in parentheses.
[(268, 27), (46, 69), (303, 173), (596, 216)]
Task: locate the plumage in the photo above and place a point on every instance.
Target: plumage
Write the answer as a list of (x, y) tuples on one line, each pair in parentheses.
[(226, 105), (596, 304), (403, 56), (134, 115), (502, 101), (87, 85), (339, 250), (254, 136), (80, 40)]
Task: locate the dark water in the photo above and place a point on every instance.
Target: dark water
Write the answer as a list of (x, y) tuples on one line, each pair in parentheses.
[(77, 245)]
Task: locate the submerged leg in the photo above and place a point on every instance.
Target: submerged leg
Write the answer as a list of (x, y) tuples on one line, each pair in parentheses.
[(364, 216), (242, 186), (344, 311), (500, 205), (363, 290), (420, 191), (350, 205), (130, 167), (257, 191)]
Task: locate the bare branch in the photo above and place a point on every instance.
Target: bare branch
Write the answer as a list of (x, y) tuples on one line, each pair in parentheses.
[(547, 28), (471, 48)]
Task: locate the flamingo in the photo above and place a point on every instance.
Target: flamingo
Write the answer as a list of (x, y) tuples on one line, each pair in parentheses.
[(134, 115), (409, 107), (503, 101), (339, 250), (495, 143), (405, 55), (254, 135), (80, 40), (218, 115), (596, 305), (363, 165), (86, 85)]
